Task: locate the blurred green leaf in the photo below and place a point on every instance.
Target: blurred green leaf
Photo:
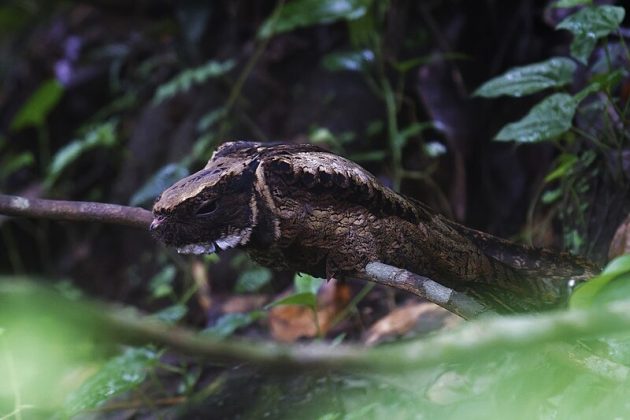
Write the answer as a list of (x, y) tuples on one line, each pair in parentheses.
[(371, 156), (252, 280), (307, 283), (566, 161), (229, 323), (600, 83), (192, 77), (303, 13), (162, 179), (519, 81), (120, 374), (590, 24), (411, 130), (551, 196), (103, 135), (34, 112), (351, 61), (303, 299), (161, 285), (571, 3), (210, 119), (546, 120), (587, 293), (13, 163), (171, 314)]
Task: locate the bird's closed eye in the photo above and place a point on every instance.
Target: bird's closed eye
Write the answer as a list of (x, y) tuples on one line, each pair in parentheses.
[(207, 208)]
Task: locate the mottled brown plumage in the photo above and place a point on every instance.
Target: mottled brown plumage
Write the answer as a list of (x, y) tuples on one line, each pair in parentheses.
[(302, 208)]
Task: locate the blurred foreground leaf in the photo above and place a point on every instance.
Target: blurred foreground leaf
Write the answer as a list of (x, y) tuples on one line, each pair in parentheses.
[(616, 273), (118, 375)]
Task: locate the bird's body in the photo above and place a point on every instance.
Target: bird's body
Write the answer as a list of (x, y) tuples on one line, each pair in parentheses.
[(302, 208)]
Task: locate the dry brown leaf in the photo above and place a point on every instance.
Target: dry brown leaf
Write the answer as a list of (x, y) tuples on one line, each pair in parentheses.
[(288, 323), (419, 317), (620, 243)]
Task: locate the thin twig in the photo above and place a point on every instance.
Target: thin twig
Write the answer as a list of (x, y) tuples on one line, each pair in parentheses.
[(75, 211)]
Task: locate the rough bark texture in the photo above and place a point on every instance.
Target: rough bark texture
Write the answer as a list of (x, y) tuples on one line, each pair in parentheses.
[(303, 208)]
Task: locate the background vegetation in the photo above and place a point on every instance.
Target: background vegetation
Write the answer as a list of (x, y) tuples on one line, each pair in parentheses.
[(113, 101)]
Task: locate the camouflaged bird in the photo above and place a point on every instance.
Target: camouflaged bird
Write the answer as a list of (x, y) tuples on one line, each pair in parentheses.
[(302, 208)]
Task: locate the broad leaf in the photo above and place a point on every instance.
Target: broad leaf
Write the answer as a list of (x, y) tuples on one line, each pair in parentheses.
[(590, 24), (162, 179), (120, 374), (546, 120), (618, 270), (305, 299), (533, 78), (307, 283), (34, 112), (303, 13)]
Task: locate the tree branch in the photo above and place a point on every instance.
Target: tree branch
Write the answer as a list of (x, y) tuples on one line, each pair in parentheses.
[(75, 211), (449, 299)]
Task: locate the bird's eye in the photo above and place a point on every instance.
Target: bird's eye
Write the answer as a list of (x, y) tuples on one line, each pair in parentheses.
[(207, 208)]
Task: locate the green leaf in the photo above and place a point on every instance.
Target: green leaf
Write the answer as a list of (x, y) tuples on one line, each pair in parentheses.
[(307, 283), (210, 119), (161, 285), (103, 135), (229, 323), (600, 83), (590, 24), (34, 112), (304, 299), (351, 61), (13, 163), (566, 161), (171, 314), (519, 81), (185, 80), (303, 13), (252, 280), (571, 3), (120, 374), (546, 120), (585, 295), (162, 179), (371, 156)]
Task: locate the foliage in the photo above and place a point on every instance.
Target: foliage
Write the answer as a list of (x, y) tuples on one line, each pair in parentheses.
[(303, 13), (103, 135), (120, 374), (35, 111), (189, 78)]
